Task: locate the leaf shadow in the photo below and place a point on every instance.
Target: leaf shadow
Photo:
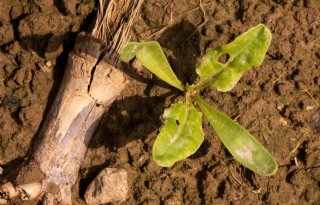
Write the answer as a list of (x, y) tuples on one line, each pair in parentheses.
[(135, 117), (129, 119), (183, 40)]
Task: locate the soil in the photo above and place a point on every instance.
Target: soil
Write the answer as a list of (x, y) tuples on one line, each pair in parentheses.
[(277, 102)]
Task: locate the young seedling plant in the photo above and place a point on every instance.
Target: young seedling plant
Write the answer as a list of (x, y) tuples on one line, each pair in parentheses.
[(182, 134)]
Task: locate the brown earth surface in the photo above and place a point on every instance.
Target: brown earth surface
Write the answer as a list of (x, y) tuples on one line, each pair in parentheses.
[(277, 102)]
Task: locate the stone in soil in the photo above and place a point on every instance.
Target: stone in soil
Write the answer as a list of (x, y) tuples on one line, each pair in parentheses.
[(110, 186)]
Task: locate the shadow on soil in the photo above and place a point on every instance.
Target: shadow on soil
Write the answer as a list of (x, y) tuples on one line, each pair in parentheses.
[(137, 116)]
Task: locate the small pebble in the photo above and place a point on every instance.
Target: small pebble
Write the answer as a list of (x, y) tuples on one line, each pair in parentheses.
[(279, 106), (309, 107), (282, 121), (48, 63), (110, 186), (43, 66)]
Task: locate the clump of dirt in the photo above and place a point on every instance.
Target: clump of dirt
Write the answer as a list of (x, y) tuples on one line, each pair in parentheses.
[(277, 102)]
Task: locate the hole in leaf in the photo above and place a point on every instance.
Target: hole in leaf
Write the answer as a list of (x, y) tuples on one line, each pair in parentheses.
[(177, 122), (223, 58)]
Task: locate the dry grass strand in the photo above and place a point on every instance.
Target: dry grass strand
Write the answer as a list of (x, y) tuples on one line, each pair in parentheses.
[(113, 22)]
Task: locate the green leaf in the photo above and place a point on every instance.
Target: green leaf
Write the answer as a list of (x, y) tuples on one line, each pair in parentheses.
[(245, 51), (180, 136), (240, 143), (150, 55)]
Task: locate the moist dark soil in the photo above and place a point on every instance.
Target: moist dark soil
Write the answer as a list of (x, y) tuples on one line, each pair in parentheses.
[(277, 102)]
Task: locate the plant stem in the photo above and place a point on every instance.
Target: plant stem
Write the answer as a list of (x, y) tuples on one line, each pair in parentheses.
[(204, 83)]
